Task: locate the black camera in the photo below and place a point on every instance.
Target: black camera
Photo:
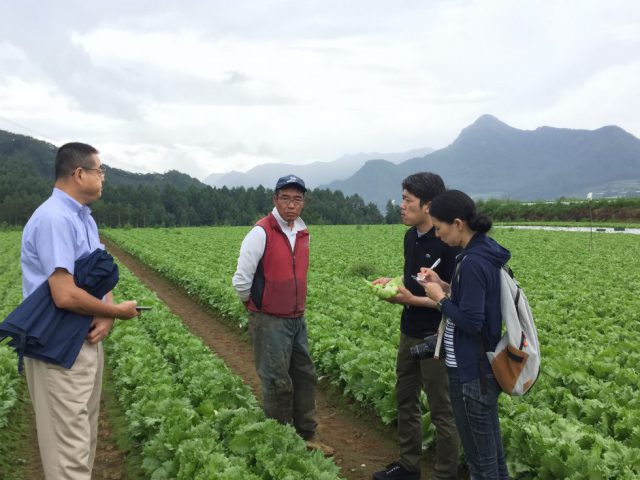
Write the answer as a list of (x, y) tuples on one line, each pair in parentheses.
[(425, 349)]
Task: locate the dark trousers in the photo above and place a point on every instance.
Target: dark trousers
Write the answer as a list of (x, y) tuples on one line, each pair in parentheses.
[(286, 371), (412, 377), (477, 420)]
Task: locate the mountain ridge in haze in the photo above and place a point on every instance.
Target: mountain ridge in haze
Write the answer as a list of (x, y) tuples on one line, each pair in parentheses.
[(492, 159), (314, 174), (488, 159)]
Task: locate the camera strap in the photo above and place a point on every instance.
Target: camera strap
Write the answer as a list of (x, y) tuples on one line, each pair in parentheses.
[(439, 345), (443, 321)]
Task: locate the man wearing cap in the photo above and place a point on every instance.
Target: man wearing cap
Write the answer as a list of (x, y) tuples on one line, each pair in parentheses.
[(271, 281)]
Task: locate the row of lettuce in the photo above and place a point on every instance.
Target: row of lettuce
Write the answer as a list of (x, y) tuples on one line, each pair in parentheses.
[(582, 419), (10, 297), (194, 418), (191, 417)]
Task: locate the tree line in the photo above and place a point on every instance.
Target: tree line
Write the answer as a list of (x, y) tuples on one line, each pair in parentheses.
[(168, 206), (22, 190), (622, 209)]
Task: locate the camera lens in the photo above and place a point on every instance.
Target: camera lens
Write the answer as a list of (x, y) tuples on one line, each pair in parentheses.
[(424, 350), (421, 351)]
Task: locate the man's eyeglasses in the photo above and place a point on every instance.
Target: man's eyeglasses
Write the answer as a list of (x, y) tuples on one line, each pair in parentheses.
[(102, 170), (287, 200)]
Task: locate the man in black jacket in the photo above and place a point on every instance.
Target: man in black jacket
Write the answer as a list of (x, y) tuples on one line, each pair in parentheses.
[(421, 318)]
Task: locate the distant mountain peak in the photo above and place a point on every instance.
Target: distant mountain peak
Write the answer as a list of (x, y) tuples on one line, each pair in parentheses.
[(485, 125), (614, 130), (378, 162), (488, 121), (486, 118)]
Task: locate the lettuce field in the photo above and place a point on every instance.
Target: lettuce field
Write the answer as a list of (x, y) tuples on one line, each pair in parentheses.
[(10, 297), (581, 419)]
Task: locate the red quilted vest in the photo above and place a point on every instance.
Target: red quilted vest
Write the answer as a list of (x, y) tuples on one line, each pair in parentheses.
[(280, 283)]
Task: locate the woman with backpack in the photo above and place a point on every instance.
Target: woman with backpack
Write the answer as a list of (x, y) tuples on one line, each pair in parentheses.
[(471, 306)]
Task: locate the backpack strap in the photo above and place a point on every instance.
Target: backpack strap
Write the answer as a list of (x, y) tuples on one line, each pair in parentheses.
[(516, 300)]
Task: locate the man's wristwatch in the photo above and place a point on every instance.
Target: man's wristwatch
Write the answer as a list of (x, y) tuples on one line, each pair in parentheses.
[(439, 303)]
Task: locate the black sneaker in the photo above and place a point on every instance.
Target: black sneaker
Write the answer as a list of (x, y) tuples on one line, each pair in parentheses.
[(396, 471)]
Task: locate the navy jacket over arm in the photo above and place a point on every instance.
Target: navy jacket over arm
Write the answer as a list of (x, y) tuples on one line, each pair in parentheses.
[(41, 330)]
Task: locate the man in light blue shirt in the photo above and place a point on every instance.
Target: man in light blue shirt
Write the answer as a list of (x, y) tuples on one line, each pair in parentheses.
[(60, 231)]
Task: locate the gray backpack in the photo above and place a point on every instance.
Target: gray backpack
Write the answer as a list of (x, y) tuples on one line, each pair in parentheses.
[(516, 360)]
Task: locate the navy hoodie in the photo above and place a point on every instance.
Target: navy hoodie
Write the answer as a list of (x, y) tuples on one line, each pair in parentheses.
[(474, 307)]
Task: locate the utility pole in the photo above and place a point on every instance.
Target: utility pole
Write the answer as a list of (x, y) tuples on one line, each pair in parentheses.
[(589, 198)]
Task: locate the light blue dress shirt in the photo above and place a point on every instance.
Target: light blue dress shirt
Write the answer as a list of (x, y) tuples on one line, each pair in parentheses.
[(59, 232)]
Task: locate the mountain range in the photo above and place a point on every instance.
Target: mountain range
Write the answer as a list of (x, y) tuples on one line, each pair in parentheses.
[(490, 159), (314, 174)]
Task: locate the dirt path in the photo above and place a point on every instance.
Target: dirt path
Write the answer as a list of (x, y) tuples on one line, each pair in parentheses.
[(362, 444), (109, 462), (27, 447)]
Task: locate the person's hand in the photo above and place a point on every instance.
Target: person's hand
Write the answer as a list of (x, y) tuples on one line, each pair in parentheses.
[(100, 328), (126, 310), (427, 275), (381, 281), (403, 297), (434, 291)]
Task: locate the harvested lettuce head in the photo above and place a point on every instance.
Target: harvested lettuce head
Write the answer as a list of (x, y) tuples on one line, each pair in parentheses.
[(386, 291)]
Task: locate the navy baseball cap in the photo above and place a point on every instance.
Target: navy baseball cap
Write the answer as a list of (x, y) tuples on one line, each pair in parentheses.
[(290, 180)]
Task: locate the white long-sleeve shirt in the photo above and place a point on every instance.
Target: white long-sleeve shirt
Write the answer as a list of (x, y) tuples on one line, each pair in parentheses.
[(251, 252)]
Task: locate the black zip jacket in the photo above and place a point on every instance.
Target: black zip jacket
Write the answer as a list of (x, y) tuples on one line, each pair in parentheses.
[(423, 251)]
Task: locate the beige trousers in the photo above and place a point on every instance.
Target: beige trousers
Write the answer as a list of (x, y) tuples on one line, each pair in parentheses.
[(66, 404)]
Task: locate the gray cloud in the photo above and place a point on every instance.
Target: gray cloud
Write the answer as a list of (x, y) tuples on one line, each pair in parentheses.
[(119, 90), (315, 80)]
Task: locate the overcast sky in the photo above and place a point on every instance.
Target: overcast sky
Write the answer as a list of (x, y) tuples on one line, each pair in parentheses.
[(211, 86)]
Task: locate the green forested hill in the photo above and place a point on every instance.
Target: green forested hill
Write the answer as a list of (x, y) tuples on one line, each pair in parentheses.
[(41, 155), (154, 199)]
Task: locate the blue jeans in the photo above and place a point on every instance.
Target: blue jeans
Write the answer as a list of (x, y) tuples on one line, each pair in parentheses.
[(478, 425)]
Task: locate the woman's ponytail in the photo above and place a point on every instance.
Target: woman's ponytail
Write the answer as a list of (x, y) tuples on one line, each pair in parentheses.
[(453, 204), (479, 222)]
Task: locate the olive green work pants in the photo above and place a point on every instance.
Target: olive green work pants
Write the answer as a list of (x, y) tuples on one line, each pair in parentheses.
[(286, 371), (430, 375)]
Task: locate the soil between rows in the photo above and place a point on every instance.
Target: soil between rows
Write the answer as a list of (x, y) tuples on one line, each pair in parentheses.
[(362, 443)]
